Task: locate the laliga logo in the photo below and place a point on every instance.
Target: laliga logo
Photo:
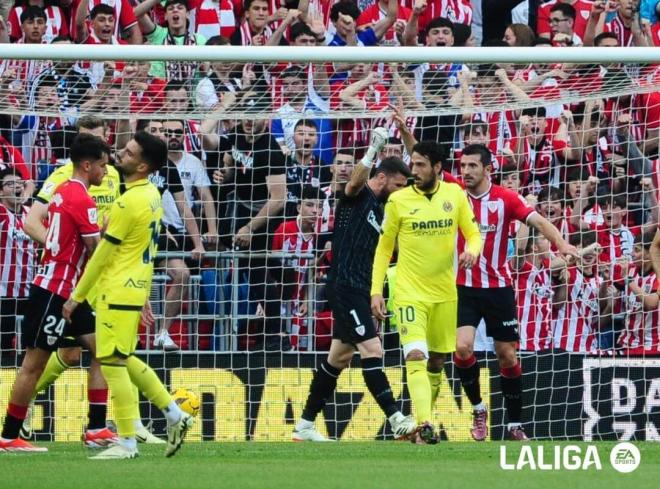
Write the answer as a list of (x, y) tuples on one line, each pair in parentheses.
[(624, 457)]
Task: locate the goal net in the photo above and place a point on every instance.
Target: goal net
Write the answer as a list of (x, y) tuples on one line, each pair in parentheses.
[(259, 156)]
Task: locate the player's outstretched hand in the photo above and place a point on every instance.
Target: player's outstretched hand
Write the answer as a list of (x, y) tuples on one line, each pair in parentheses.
[(378, 308), (68, 308), (467, 260)]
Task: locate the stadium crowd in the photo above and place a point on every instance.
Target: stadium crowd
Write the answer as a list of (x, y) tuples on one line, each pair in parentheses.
[(256, 184)]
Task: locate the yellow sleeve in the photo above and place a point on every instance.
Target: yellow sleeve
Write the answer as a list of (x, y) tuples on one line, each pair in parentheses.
[(57, 178), (93, 270), (120, 221), (468, 226), (390, 230)]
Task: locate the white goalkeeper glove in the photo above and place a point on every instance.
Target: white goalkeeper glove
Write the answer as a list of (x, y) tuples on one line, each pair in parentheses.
[(378, 141)]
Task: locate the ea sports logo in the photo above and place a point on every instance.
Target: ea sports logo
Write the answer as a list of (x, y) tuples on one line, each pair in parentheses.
[(625, 457)]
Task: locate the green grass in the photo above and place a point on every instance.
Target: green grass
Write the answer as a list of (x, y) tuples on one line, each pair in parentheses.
[(345, 465)]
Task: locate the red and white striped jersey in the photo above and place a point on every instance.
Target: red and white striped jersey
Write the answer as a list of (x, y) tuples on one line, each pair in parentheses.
[(56, 23), (641, 325), (543, 164), (290, 239), (211, 18), (17, 254), (493, 210), (71, 217), (11, 157), (623, 33), (575, 322), (124, 14), (458, 11), (25, 70), (534, 301), (243, 35), (616, 243), (356, 132), (501, 128), (374, 13)]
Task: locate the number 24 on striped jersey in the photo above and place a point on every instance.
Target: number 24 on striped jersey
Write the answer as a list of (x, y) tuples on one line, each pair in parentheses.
[(53, 235)]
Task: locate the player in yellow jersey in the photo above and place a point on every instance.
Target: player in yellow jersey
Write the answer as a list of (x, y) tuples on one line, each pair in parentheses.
[(96, 434), (425, 219), (122, 268)]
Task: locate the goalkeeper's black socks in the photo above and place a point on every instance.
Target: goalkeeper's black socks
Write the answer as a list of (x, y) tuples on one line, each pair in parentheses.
[(511, 382), (13, 421), (468, 372), (379, 386), (323, 385)]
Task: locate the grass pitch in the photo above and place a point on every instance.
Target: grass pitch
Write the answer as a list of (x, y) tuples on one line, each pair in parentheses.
[(345, 465)]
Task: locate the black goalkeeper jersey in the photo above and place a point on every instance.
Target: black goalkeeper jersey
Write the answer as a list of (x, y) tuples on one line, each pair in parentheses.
[(356, 232)]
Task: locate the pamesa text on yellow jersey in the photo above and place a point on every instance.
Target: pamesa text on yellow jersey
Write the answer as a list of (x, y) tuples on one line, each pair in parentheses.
[(425, 226)]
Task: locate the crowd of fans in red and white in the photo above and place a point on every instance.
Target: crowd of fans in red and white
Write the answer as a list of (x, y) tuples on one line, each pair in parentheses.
[(591, 167)]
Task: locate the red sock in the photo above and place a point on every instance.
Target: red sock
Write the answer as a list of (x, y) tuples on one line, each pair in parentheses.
[(98, 408), (19, 412)]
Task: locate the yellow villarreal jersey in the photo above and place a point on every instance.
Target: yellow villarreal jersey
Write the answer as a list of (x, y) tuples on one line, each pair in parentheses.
[(133, 229), (104, 195), (426, 231)]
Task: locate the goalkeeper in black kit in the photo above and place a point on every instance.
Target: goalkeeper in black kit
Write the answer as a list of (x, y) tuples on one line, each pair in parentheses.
[(358, 221)]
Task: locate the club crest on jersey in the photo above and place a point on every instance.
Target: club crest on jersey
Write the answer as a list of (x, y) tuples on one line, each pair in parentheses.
[(51, 340), (493, 206), (371, 219), (92, 215), (447, 207), (57, 200)]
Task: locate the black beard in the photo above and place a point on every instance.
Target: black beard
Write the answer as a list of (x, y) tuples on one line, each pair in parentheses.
[(430, 185), (175, 145)]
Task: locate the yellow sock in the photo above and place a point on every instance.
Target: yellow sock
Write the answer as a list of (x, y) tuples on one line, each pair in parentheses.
[(435, 378), (420, 389), (148, 382), (136, 406), (51, 373), (122, 395)]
